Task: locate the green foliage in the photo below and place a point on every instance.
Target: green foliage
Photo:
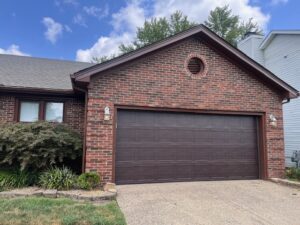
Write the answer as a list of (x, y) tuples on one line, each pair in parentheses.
[(57, 178), (35, 146), (229, 26), (293, 173), (46, 211), (157, 29), (88, 180), (152, 31), (102, 58), (10, 179)]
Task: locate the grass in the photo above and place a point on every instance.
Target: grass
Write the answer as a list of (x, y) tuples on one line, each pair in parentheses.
[(292, 179), (45, 211), (293, 174)]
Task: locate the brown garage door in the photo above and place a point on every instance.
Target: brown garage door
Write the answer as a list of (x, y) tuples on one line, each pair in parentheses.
[(156, 146)]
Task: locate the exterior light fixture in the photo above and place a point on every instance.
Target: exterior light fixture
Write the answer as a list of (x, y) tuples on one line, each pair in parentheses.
[(273, 120), (106, 113)]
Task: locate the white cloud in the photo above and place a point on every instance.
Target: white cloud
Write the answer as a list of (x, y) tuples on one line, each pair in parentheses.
[(277, 2), (129, 17), (80, 20), (54, 29), (96, 11), (133, 15), (13, 50), (68, 29), (58, 3), (72, 2), (104, 46), (199, 10)]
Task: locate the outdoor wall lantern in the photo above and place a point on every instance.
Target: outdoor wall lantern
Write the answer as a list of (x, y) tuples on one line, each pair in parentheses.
[(106, 113), (273, 120)]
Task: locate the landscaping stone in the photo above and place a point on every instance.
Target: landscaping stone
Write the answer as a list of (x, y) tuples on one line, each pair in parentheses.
[(109, 186), (112, 190), (82, 195), (50, 193), (286, 182)]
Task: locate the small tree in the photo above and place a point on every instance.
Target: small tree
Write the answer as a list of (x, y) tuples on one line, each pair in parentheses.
[(38, 145), (229, 26), (102, 58), (152, 31), (157, 29)]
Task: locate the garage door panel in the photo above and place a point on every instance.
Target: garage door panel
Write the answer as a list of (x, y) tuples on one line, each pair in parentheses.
[(166, 146), (156, 151)]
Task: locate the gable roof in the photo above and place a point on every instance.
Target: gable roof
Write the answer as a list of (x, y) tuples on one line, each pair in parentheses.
[(23, 72), (202, 31), (273, 33)]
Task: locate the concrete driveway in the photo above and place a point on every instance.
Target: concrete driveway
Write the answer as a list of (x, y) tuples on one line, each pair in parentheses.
[(213, 202)]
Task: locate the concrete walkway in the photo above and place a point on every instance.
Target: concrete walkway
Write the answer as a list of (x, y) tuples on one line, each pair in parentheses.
[(214, 202)]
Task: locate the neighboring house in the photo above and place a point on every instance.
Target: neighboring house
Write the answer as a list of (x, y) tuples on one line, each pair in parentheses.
[(279, 52), (190, 107)]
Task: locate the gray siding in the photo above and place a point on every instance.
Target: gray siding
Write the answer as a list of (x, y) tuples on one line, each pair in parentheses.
[(282, 57), (250, 46)]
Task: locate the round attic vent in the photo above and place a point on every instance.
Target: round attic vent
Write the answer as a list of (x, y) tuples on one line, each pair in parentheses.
[(196, 66)]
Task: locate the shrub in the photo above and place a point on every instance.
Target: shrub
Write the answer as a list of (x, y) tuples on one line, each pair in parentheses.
[(57, 178), (15, 179), (88, 180), (293, 173), (38, 145)]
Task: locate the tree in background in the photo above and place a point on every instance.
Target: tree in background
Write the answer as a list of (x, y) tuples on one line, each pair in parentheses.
[(152, 31), (221, 21), (102, 58), (229, 26), (157, 29)]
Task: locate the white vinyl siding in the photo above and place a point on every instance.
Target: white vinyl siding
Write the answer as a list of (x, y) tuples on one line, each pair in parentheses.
[(282, 57), (250, 46)]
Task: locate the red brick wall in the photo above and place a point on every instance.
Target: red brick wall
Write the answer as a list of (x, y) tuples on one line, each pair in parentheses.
[(74, 114), (160, 80), (7, 108), (74, 111)]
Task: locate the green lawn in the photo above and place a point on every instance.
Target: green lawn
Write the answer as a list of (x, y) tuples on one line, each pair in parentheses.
[(45, 211)]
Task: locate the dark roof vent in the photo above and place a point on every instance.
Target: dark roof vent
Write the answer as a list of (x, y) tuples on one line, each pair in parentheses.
[(195, 65), (250, 33)]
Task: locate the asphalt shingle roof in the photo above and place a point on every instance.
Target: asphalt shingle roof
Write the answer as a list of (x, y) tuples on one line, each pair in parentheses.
[(29, 72)]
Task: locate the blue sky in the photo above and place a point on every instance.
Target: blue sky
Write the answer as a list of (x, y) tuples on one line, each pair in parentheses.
[(80, 30)]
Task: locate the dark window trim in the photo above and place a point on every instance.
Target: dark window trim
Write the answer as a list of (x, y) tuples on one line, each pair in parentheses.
[(42, 107)]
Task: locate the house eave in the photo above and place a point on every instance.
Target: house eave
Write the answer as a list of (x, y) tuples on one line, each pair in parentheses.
[(85, 74), (31, 90)]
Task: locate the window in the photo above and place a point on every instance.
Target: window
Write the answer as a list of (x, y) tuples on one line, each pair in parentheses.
[(54, 112), (31, 111)]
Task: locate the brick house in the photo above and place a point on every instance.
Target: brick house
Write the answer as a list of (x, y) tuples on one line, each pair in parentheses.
[(190, 107)]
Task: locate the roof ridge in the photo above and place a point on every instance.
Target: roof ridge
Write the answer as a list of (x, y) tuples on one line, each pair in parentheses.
[(46, 59)]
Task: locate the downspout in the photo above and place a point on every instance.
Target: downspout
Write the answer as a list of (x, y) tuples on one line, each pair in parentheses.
[(285, 101)]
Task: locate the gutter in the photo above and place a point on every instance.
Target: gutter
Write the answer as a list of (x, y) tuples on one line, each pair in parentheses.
[(30, 90), (286, 101)]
